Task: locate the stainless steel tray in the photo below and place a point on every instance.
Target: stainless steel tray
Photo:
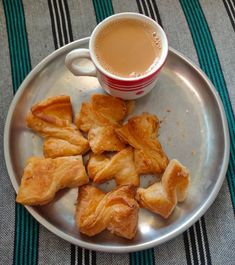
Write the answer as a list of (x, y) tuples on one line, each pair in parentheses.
[(194, 130)]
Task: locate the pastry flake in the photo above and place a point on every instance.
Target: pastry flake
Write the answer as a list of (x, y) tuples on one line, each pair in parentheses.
[(55, 110), (43, 177), (121, 167), (104, 139), (162, 197), (99, 118), (116, 211), (141, 133), (53, 118), (103, 110), (55, 147)]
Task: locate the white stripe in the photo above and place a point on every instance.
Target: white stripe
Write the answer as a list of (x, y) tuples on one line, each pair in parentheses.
[(54, 18), (147, 8), (197, 245), (66, 21), (90, 257), (154, 13), (203, 242), (60, 21), (232, 4), (230, 11), (83, 256), (76, 257), (142, 6), (190, 247)]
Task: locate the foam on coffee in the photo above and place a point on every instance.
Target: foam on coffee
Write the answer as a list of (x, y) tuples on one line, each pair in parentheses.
[(128, 47)]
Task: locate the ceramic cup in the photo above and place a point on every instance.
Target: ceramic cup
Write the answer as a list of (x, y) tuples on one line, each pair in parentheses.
[(125, 88)]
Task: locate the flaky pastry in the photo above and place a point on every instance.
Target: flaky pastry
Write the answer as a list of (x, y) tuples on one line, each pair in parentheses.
[(43, 177), (104, 138), (121, 167), (55, 147), (162, 197), (116, 211), (53, 118), (103, 110), (99, 118), (141, 133)]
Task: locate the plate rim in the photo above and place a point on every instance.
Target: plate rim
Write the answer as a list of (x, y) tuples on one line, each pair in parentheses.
[(120, 249)]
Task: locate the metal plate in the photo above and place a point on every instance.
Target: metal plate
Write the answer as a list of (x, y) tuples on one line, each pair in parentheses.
[(194, 131)]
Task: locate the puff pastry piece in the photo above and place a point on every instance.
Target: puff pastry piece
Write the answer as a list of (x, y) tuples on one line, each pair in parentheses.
[(104, 139), (99, 118), (103, 110), (53, 118), (54, 147), (116, 211), (43, 177), (162, 197), (141, 133), (121, 167)]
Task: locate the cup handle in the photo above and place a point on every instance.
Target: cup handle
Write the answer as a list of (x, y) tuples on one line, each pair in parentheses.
[(76, 69)]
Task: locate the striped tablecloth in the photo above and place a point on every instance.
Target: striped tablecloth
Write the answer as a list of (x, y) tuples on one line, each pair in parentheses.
[(203, 31)]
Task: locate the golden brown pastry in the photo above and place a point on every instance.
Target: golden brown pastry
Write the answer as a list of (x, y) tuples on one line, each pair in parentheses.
[(141, 133), (99, 118), (103, 110), (116, 211), (43, 177), (104, 139), (53, 118), (54, 110), (162, 197), (55, 147), (121, 167)]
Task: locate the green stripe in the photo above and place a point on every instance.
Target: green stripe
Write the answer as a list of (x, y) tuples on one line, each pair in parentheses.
[(104, 9), (210, 64), (145, 257), (26, 228)]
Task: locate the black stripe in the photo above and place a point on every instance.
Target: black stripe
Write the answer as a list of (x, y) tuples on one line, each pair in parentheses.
[(139, 6), (200, 243), (79, 255), (203, 223), (186, 246), (150, 9), (68, 20), (231, 7), (157, 13), (145, 8), (231, 17), (87, 254), (93, 255), (53, 25), (73, 257), (57, 21), (193, 245), (61, 10)]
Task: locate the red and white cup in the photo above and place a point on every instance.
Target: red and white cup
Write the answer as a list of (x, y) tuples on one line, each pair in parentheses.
[(125, 88)]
